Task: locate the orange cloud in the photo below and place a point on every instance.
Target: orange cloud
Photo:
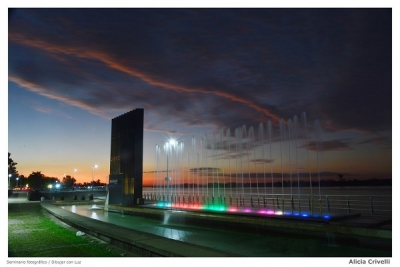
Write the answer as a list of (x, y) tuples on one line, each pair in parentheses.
[(110, 62)]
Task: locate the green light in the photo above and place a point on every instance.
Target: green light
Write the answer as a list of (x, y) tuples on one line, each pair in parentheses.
[(215, 208)]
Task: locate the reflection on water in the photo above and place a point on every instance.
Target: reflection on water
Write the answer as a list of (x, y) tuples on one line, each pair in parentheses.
[(171, 233), (166, 217), (245, 243), (131, 221)]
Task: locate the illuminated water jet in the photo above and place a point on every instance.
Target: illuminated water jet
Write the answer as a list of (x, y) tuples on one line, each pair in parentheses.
[(238, 190)]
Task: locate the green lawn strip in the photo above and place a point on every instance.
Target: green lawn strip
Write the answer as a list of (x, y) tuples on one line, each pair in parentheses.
[(32, 234)]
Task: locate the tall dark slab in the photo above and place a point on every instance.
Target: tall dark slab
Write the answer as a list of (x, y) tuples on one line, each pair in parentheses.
[(126, 161)]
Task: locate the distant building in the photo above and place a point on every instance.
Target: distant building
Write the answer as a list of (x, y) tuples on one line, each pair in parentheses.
[(126, 161)]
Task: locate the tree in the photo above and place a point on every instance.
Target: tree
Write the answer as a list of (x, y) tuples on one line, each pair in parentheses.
[(340, 176), (68, 181), (35, 180), (12, 169)]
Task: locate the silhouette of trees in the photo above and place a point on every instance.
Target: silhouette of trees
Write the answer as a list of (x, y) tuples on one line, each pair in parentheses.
[(68, 181), (12, 169), (35, 180)]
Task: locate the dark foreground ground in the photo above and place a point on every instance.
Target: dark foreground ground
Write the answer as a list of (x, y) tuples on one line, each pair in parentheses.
[(33, 232)]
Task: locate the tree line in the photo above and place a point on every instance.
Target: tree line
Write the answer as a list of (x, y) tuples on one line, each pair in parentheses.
[(37, 180)]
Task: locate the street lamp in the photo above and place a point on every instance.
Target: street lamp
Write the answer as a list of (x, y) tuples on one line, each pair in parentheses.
[(94, 167), (73, 185), (17, 181), (9, 179)]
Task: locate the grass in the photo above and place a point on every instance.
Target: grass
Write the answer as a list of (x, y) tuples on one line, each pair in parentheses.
[(31, 233)]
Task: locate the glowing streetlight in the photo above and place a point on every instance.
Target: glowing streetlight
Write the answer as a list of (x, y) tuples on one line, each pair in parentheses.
[(17, 181), (94, 167)]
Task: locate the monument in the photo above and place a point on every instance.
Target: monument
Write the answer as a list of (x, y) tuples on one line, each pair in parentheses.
[(126, 160)]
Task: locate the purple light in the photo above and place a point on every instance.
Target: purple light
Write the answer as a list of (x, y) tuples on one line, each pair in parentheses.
[(234, 209)]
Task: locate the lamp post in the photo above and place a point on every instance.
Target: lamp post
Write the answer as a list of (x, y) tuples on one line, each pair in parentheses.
[(73, 185), (94, 167), (9, 179), (17, 181)]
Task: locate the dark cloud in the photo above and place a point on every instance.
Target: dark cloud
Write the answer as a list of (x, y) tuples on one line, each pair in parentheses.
[(384, 142), (332, 145), (222, 67)]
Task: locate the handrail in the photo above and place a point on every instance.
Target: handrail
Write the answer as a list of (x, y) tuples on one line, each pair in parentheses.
[(292, 203)]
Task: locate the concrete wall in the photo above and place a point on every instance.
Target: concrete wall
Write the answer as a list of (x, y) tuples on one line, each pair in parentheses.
[(67, 195)]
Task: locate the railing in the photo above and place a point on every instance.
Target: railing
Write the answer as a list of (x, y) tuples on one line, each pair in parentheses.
[(317, 204)]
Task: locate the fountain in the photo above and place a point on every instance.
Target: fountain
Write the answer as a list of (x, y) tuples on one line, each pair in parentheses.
[(245, 187)]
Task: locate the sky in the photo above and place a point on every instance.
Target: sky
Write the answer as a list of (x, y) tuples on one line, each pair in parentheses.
[(198, 72)]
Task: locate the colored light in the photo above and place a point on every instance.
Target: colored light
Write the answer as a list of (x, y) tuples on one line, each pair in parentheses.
[(222, 208)]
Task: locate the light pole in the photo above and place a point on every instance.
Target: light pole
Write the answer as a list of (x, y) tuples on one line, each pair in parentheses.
[(73, 185), (9, 179), (94, 167), (17, 181)]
